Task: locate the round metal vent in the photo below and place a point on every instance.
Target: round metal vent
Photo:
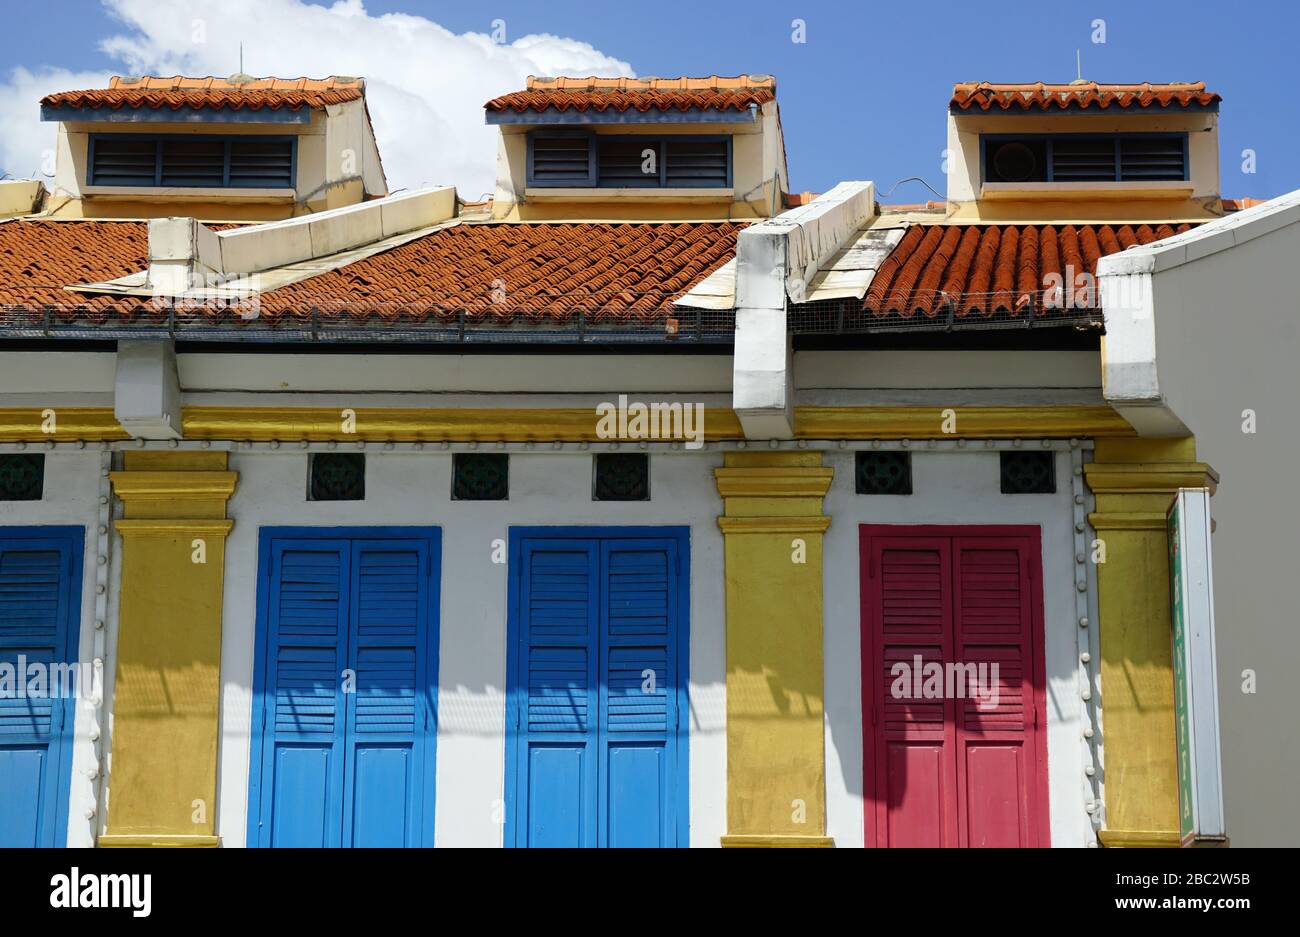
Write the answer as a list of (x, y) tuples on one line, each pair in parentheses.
[(1014, 162)]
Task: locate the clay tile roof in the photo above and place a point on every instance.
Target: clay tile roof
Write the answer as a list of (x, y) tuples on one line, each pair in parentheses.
[(613, 272), (1000, 270), (234, 93), (986, 96), (39, 258), (641, 94), (530, 273)]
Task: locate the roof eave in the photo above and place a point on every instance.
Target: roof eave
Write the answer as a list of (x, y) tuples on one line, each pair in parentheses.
[(571, 117), (183, 115)]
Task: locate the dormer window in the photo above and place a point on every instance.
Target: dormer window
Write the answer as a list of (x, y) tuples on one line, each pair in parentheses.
[(192, 161), (1077, 157), (568, 159)]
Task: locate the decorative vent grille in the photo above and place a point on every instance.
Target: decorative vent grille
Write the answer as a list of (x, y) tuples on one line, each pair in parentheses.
[(22, 477), (337, 476), (883, 473), (1028, 473), (622, 477), (480, 477)]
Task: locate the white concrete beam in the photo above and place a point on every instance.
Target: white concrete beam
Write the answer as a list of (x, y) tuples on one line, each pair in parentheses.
[(1130, 285), (775, 261), (146, 390), (186, 255)]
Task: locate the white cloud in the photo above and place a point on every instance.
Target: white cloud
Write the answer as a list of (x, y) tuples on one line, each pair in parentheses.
[(425, 85)]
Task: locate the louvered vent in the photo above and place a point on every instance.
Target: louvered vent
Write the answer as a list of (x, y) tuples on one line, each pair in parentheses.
[(124, 162), (561, 161), (558, 608), (197, 163), (696, 163), (1087, 160), (629, 163), (257, 164), (1155, 159)]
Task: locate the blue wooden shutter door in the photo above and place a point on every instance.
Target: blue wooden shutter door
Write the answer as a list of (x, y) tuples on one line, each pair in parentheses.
[(555, 695), (594, 693), (389, 717), (638, 702), (39, 588), (302, 750)]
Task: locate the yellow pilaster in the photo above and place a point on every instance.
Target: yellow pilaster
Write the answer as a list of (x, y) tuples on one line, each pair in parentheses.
[(776, 766), (162, 789), (1134, 481)]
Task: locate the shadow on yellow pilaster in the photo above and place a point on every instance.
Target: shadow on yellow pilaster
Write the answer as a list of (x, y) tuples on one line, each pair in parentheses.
[(1134, 481), (773, 528), (162, 789)]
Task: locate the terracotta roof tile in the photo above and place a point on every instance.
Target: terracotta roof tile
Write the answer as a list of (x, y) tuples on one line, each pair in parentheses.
[(494, 272), (236, 93), (986, 96), (538, 271), (987, 270), (39, 258), (640, 94)]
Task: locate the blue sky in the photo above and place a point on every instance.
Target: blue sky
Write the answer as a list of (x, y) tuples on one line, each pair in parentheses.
[(863, 97)]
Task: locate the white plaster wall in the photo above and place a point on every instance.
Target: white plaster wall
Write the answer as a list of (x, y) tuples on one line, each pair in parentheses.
[(478, 373), (71, 498), (414, 489), (957, 487), (1228, 338), (947, 370)]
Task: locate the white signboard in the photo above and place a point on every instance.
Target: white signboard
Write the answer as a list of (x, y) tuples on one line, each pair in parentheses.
[(1196, 687)]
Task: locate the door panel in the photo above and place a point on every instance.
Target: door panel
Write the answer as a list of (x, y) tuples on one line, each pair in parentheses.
[(595, 753), (40, 605), (348, 683), (967, 768)]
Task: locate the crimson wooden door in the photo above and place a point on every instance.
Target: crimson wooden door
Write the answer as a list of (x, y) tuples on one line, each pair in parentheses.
[(953, 768)]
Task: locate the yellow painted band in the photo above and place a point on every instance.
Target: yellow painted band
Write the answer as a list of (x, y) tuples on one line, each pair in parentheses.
[(29, 424), (169, 527), (1135, 839), (966, 422), (774, 525), (118, 841), (398, 424), (777, 842)]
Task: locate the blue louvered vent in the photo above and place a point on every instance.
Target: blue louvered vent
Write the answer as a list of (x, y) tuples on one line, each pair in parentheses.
[(638, 592), (308, 664), (557, 601), (557, 689), (385, 690), (638, 702), (29, 593), (29, 623), (559, 605), (309, 595), (306, 692), (389, 595)]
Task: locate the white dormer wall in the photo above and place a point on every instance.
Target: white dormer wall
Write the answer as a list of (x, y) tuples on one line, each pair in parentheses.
[(1199, 198), (759, 177), (338, 164)]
